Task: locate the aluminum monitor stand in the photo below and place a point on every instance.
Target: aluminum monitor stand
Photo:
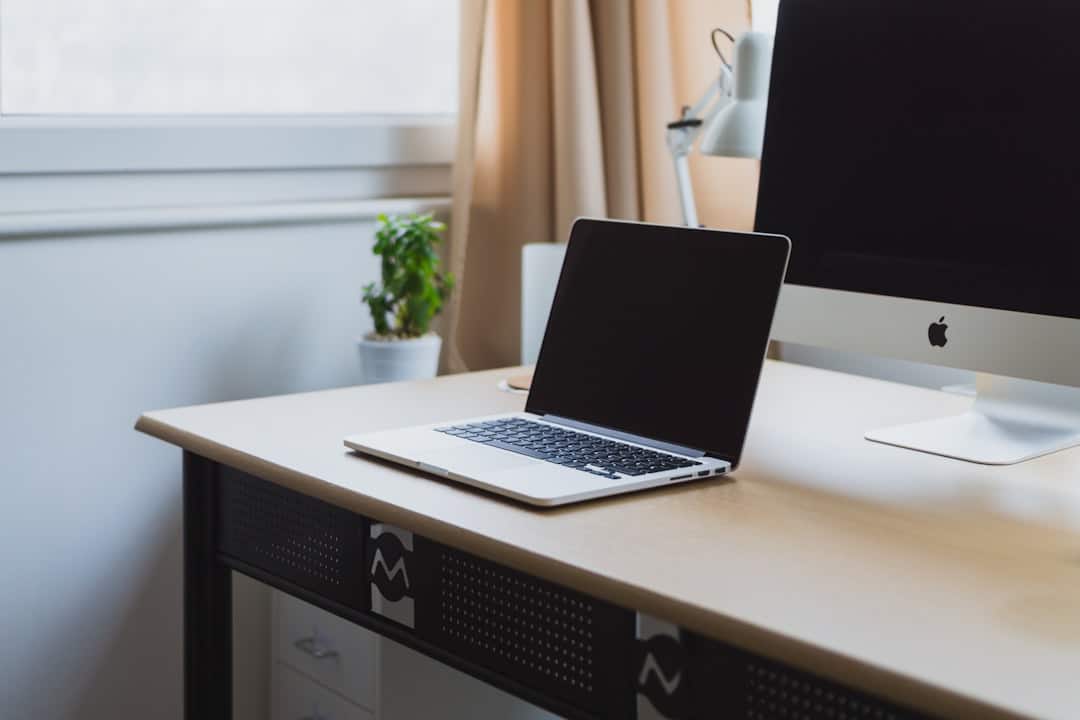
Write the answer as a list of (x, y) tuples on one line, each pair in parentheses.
[(1010, 421)]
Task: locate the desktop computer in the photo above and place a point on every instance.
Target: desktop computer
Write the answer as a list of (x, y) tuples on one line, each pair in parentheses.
[(924, 158)]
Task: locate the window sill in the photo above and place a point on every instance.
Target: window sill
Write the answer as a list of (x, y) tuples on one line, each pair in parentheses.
[(59, 145)]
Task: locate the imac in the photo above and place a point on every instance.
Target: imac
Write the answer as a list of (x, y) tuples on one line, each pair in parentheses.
[(924, 158)]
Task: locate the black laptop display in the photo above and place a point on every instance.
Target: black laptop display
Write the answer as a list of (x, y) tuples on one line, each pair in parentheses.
[(661, 332)]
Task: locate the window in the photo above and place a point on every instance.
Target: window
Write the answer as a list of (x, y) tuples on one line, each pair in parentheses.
[(239, 56), (155, 85)]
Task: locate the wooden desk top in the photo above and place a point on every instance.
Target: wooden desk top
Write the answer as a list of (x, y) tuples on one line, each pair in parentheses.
[(926, 580)]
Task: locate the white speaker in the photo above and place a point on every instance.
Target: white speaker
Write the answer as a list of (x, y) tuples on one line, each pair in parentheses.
[(541, 264)]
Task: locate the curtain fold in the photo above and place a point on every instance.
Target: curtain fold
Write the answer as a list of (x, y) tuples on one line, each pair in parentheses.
[(578, 176), (562, 114), (614, 57), (472, 30)]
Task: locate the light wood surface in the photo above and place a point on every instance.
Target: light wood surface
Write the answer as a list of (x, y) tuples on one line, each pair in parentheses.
[(949, 586)]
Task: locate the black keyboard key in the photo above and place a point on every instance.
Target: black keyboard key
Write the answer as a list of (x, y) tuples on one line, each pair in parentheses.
[(539, 455)]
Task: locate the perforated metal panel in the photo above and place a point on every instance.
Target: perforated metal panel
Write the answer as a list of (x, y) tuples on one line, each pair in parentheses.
[(753, 687), (306, 541), (525, 623), (773, 692), (544, 635)]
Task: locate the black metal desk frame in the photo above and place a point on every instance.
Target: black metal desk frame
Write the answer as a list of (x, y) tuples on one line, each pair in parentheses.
[(575, 655)]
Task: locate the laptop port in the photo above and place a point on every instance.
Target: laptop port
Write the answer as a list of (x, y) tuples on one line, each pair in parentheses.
[(704, 473), (681, 477)]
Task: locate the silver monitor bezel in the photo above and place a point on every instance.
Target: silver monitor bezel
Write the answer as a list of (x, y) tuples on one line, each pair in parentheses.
[(1015, 344)]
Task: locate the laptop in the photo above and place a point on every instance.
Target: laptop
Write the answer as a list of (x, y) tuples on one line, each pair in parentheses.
[(646, 375)]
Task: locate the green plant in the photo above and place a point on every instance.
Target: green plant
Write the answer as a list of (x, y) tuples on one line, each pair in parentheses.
[(413, 290)]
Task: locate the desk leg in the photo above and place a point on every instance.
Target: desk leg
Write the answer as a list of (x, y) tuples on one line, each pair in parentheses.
[(207, 599)]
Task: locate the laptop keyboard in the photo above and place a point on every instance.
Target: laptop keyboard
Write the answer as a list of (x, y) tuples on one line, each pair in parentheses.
[(568, 448)]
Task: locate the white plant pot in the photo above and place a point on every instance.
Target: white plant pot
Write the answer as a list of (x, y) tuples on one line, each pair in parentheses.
[(393, 360)]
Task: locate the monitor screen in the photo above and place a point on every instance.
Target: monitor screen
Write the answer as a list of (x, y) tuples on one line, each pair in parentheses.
[(928, 149), (660, 332)]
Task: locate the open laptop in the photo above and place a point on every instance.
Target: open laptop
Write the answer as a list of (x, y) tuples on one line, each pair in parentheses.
[(646, 375)]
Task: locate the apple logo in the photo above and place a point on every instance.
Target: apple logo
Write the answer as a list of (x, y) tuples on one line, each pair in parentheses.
[(936, 332)]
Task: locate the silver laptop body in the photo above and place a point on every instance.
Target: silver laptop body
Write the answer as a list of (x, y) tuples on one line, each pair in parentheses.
[(621, 362)]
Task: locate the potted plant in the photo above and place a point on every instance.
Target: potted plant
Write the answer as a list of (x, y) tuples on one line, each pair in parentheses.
[(413, 290)]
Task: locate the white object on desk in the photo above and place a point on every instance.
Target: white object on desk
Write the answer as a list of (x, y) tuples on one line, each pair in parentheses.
[(541, 264)]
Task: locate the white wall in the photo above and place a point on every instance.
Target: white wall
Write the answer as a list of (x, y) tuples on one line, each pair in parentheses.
[(94, 330)]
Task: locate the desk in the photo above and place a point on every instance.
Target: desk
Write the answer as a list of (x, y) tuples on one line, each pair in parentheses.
[(833, 575)]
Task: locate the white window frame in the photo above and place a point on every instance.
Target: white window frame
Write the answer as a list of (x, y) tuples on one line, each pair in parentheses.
[(86, 175), (106, 144)]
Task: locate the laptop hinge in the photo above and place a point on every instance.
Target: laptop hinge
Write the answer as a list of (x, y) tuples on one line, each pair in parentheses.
[(628, 437)]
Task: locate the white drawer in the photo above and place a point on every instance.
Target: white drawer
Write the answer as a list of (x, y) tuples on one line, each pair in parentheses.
[(340, 655), (299, 698)]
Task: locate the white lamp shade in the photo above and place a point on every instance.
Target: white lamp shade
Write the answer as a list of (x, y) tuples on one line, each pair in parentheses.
[(738, 130)]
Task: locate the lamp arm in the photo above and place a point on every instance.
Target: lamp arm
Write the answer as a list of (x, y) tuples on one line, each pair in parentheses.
[(683, 133), (710, 95)]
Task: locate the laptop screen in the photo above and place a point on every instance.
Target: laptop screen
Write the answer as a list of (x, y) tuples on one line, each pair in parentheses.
[(660, 332)]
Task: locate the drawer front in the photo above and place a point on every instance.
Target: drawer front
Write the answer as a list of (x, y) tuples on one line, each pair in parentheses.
[(340, 655), (299, 698)]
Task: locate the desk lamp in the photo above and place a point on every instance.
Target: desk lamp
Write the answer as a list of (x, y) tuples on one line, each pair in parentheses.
[(729, 118)]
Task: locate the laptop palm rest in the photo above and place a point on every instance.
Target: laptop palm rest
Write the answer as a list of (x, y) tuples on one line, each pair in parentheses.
[(467, 461)]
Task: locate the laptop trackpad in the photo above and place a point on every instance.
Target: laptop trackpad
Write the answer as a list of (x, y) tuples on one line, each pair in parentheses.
[(468, 461)]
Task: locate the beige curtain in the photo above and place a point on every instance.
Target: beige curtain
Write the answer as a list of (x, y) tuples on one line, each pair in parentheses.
[(562, 114)]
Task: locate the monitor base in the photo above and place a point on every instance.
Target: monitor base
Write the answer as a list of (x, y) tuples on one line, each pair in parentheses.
[(1010, 421)]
